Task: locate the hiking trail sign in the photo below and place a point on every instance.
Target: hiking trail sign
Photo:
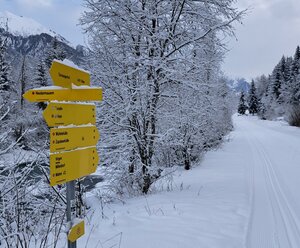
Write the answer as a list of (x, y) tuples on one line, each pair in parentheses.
[(71, 165), (74, 136), (65, 139), (64, 75), (56, 93), (76, 231), (63, 114)]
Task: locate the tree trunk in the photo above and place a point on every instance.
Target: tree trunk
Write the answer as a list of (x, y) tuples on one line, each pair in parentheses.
[(187, 161)]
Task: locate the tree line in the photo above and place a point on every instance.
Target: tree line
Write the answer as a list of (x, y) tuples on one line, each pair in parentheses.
[(278, 94), (249, 102)]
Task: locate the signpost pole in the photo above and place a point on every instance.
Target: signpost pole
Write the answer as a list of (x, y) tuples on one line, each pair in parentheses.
[(70, 207)]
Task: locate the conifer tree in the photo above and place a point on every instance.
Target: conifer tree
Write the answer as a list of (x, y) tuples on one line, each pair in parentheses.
[(41, 76), (295, 64), (280, 94), (242, 105), (295, 80), (4, 67), (287, 81), (19, 124), (55, 52), (253, 102), (41, 81), (276, 83)]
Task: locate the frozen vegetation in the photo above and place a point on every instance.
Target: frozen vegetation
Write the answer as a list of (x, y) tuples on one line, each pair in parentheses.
[(174, 170)]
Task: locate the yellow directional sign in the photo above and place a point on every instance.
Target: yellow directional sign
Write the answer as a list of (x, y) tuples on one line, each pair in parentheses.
[(63, 139), (62, 114), (64, 75), (47, 94), (76, 232), (68, 166)]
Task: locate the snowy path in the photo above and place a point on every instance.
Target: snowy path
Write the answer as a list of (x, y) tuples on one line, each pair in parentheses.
[(246, 194), (274, 177)]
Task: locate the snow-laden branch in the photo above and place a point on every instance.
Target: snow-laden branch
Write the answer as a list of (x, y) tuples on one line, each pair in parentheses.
[(12, 145), (4, 114), (203, 35)]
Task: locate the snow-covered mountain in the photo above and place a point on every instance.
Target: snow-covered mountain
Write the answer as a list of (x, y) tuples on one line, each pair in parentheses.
[(238, 85), (27, 38), (25, 27)]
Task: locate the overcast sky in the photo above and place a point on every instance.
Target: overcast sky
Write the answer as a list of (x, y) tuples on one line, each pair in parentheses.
[(59, 15), (271, 29)]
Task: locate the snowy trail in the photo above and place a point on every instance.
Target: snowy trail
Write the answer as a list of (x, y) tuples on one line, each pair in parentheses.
[(275, 204), (243, 195)]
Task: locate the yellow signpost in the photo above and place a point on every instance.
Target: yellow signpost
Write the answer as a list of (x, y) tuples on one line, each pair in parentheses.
[(62, 139), (64, 76), (68, 166), (76, 232), (62, 114), (73, 152), (47, 94)]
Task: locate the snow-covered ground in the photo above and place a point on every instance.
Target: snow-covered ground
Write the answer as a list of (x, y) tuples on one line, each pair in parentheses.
[(246, 194), (274, 170)]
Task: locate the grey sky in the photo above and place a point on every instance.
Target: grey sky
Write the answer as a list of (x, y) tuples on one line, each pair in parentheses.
[(59, 15), (271, 29)]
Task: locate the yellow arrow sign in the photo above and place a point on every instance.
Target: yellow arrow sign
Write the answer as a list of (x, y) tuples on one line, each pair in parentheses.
[(68, 166), (64, 75), (46, 94), (62, 114), (62, 139), (76, 232)]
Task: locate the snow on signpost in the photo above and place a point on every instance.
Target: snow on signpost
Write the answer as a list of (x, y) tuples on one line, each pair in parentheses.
[(63, 114), (74, 135), (64, 74)]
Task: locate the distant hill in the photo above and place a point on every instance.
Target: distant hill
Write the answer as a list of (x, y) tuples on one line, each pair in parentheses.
[(238, 85), (24, 26), (26, 37)]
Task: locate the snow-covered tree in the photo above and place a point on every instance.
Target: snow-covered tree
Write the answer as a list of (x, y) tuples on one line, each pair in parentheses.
[(286, 85), (29, 209), (242, 104), (277, 79), (55, 52), (41, 80), (142, 51), (19, 117), (4, 67), (295, 64), (6, 101), (294, 87), (253, 104), (261, 86), (41, 75), (280, 93)]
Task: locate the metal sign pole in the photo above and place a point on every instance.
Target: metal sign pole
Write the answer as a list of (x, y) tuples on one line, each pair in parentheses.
[(70, 207)]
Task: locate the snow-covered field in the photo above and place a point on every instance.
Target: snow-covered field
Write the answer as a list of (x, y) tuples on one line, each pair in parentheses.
[(246, 194)]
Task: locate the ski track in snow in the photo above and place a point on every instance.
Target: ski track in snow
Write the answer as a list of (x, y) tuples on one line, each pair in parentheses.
[(274, 221), (243, 195)]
